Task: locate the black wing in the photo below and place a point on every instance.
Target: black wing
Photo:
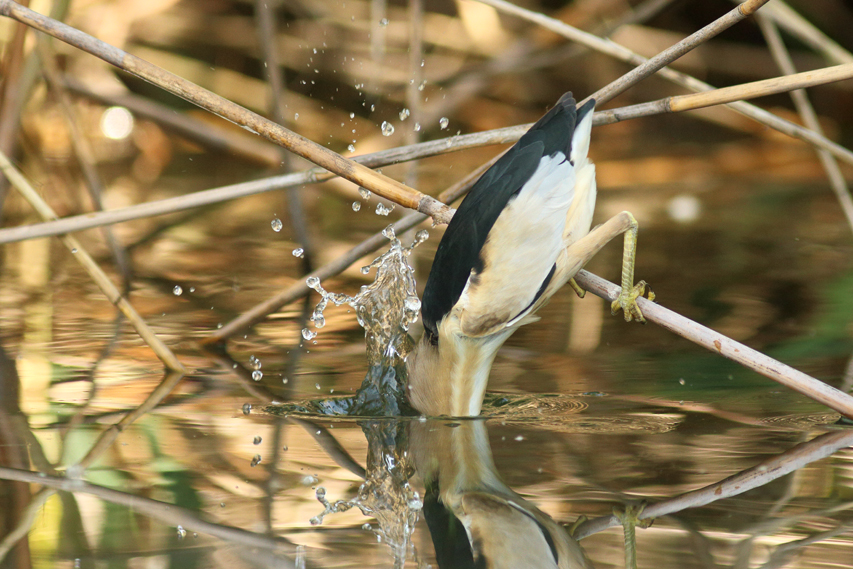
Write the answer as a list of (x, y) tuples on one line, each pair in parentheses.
[(459, 250)]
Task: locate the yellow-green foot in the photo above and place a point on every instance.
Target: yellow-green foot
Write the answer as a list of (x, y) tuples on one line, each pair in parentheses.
[(627, 301), (630, 519), (577, 288), (572, 529)]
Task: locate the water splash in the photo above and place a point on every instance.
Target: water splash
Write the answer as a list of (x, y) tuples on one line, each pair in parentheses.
[(385, 494), (385, 308)]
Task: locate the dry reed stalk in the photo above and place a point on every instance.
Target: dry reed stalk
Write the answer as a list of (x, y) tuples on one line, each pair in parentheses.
[(265, 19), (381, 185), (667, 56), (792, 22), (85, 156), (101, 279), (725, 95), (299, 289), (240, 144), (821, 447), (808, 114), (169, 514), (791, 378), (691, 83), (108, 436)]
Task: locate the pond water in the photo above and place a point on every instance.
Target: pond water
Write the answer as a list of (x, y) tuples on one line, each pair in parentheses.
[(585, 412)]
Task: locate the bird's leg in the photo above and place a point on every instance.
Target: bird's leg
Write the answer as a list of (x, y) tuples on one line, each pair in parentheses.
[(577, 288), (627, 299), (582, 250), (630, 519)]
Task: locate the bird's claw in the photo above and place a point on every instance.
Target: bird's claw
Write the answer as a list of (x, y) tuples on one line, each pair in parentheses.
[(627, 301)]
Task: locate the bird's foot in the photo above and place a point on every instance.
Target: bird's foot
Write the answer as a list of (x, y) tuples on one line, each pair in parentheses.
[(577, 288), (630, 519), (572, 529), (627, 301)]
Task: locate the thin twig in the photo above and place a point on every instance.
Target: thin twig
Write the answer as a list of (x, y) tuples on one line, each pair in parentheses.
[(667, 56), (163, 511), (807, 113), (237, 143), (379, 184), (806, 32), (265, 18), (376, 159), (108, 436), (777, 371), (622, 53), (680, 103), (85, 158), (759, 475), (101, 279), (299, 289)]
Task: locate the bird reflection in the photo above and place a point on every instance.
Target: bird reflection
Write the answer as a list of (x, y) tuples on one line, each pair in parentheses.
[(475, 520)]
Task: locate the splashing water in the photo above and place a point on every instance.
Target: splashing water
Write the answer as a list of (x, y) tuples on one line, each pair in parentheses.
[(385, 494)]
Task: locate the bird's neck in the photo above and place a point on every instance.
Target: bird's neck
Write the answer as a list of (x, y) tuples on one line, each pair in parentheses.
[(450, 378)]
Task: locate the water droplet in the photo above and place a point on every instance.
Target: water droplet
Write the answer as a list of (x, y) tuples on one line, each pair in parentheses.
[(387, 128), (182, 533), (276, 224), (192, 289), (443, 122), (415, 503), (299, 559), (413, 303), (366, 527), (420, 237), (519, 438), (309, 480), (382, 210), (247, 408), (257, 440), (352, 115), (388, 232), (74, 251), (284, 447), (422, 85), (308, 334), (312, 282), (319, 320), (317, 385), (285, 380), (383, 22), (364, 193), (296, 116), (681, 381), (356, 206), (299, 252), (177, 291), (404, 114), (315, 521), (257, 375), (351, 147), (321, 493), (256, 460), (417, 127)]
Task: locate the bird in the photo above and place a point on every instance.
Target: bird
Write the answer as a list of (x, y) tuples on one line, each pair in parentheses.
[(474, 518), (521, 233)]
